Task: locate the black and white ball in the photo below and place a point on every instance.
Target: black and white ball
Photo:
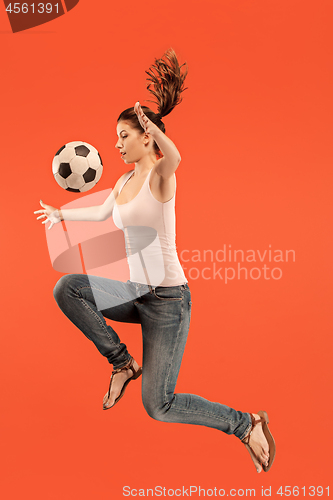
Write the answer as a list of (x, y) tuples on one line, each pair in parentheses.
[(77, 166)]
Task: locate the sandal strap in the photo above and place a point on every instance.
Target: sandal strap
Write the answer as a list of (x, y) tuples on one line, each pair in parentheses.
[(254, 422), (128, 366)]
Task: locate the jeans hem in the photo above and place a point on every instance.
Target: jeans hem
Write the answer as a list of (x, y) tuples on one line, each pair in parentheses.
[(247, 429), (121, 365)]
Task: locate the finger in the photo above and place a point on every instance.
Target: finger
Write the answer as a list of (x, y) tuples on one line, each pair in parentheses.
[(51, 225), (39, 212), (41, 216), (140, 110), (40, 201), (45, 221)]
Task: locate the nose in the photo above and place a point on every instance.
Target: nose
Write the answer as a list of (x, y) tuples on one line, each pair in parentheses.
[(116, 145)]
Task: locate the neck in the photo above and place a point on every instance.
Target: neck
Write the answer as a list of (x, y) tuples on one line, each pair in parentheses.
[(142, 167)]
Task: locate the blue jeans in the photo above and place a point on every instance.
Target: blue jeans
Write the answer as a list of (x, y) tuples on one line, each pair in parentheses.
[(164, 314)]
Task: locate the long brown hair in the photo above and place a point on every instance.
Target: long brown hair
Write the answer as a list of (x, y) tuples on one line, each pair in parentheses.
[(168, 84)]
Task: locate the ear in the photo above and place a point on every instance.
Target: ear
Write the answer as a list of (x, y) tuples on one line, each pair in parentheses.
[(146, 139)]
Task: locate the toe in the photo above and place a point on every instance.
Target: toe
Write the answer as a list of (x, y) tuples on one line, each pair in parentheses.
[(107, 401), (255, 460), (264, 458), (265, 455), (108, 404), (256, 463)]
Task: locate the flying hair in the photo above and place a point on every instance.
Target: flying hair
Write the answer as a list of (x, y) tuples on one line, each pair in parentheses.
[(168, 82)]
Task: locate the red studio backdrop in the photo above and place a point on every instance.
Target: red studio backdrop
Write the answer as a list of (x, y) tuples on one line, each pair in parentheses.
[(253, 215)]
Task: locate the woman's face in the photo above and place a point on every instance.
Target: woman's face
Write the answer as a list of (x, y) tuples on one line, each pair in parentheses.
[(131, 144)]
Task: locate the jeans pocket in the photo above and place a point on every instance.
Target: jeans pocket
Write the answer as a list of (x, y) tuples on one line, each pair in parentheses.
[(168, 293)]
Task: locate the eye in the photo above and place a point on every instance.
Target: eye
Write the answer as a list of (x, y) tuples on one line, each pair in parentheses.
[(124, 136)]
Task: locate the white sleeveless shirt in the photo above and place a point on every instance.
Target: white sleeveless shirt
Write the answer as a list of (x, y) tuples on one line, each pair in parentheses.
[(150, 237)]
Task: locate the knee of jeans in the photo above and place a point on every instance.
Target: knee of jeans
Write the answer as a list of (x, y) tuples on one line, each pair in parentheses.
[(58, 289), (62, 286), (155, 410)]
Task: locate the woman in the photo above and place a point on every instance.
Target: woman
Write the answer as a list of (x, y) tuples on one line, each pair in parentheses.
[(157, 296)]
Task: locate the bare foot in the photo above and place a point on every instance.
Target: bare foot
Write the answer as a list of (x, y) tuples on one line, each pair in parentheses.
[(258, 446), (117, 384), (254, 459)]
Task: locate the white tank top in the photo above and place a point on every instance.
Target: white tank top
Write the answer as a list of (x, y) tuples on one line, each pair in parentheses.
[(150, 237)]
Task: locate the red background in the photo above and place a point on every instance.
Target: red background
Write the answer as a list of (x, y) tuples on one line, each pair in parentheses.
[(255, 134)]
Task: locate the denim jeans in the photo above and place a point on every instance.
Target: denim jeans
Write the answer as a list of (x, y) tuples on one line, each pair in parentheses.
[(164, 314)]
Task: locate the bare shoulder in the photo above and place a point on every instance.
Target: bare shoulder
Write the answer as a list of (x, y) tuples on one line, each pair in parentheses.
[(163, 189)]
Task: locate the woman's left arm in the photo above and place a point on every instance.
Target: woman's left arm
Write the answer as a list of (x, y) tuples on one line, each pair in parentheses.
[(171, 157)]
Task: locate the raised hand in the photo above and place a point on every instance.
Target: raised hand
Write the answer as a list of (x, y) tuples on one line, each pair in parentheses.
[(147, 125), (51, 213)]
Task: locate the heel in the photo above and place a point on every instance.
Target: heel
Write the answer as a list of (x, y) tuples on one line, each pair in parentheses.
[(136, 374), (264, 415)]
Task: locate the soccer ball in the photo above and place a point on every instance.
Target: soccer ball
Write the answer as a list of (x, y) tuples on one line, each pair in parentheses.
[(77, 166)]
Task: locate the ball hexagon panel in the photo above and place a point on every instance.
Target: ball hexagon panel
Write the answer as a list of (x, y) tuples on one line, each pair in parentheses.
[(66, 155), (75, 181), (87, 186), (94, 160), (79, 165)]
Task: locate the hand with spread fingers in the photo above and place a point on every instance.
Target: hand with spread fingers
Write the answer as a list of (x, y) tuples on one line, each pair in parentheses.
[(147, 125), (51, 213)]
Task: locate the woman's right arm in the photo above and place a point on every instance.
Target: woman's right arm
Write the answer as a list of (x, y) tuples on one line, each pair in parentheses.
[(97, 213)]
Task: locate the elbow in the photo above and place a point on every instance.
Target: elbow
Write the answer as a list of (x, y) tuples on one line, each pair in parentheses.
[(101, 215), (104, 215), (176, 160)]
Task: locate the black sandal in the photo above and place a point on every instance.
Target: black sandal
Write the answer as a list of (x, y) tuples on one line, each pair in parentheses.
[(136, 374), (270, 440)]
